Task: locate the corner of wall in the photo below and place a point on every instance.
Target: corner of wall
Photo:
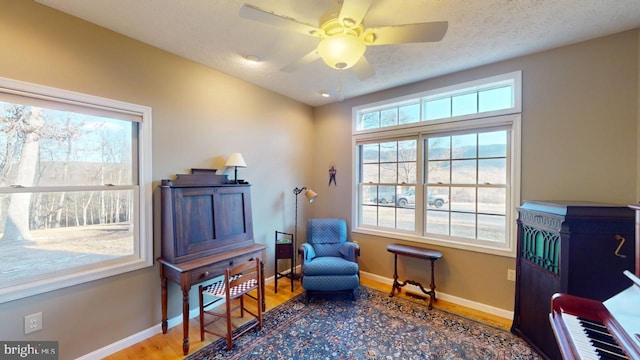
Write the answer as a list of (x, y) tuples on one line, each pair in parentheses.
[(638, 115)]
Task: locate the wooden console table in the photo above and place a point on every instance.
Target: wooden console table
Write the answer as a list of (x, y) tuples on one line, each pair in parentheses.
[(189, 273), (416, 252)]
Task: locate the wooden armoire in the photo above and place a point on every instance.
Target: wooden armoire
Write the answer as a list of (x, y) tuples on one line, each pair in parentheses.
[(578, 248)]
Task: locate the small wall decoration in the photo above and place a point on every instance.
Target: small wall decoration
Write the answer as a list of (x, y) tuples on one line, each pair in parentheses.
[(332, 175)]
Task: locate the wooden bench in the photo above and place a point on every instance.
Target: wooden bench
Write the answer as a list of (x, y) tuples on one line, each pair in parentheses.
[(416, 252)]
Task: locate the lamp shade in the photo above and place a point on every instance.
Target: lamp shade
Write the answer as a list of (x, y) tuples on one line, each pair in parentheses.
[(341, 51), (236, 159), (310, 195)]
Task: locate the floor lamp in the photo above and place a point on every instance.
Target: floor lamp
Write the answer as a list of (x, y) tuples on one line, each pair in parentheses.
[(311, 196)]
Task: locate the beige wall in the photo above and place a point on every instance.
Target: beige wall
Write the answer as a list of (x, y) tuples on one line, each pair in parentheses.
[(200, 116), (579, 142)]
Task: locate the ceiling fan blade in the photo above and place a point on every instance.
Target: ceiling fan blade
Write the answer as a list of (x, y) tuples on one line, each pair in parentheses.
[(363, 69), (251, 12), (310, 57), (408, 33), (353, 11)]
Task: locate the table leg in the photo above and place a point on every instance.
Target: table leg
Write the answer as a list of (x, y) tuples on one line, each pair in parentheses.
[(275, 276), (264, 301), (433, 280), (185, 321), (164, 303), (396, 284), (293, 255)]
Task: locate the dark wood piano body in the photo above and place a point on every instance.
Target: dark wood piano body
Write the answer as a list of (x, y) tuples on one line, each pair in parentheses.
[(206, 227), (620, 313), (567, 247)]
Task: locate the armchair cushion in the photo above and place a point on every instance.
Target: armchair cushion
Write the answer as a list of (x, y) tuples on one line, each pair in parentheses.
[(326, 236)]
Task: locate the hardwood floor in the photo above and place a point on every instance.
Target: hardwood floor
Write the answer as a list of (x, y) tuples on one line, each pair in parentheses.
[(169, 346)]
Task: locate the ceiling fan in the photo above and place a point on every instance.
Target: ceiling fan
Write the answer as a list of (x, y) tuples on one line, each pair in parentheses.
[(344, 38)]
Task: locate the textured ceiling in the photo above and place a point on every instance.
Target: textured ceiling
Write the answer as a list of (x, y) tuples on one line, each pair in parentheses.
[(212, 33)]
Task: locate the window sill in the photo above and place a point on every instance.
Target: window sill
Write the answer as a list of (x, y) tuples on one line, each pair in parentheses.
[(510, 253), (91, 273)]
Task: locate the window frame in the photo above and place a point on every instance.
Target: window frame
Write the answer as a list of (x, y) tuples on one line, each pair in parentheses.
[(142, 186), (397, 184), (509, 119)]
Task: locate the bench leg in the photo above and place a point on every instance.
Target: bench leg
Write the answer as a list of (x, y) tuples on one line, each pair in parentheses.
[(432, 286), (396, 284)]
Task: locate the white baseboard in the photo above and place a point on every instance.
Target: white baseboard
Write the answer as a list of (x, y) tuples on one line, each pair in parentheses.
[(177, 320), (124, 343), (143, 335), (446, 297)]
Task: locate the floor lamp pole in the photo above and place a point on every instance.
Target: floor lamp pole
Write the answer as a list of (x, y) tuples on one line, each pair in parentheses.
[(296, 191)]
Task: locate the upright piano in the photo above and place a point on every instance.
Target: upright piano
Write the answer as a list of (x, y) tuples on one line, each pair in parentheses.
[(206, 226), (590, 329), (570, 247)]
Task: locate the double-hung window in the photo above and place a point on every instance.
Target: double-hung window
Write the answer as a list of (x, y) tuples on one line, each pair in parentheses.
[(75, 188), (441, 166)]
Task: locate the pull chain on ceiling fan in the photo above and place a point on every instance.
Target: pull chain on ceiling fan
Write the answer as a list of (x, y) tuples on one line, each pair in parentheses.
[(344, 38)]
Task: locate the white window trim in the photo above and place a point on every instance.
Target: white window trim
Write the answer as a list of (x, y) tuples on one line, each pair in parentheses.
[(143, 247), (510, 117), (514, 78)]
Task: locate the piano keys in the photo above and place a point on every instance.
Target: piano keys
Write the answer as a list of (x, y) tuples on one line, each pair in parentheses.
[(589, 329), (592, 339)]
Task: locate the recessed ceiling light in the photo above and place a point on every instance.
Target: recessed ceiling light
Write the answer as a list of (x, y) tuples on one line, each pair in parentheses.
[(253, 58), (325, 94)]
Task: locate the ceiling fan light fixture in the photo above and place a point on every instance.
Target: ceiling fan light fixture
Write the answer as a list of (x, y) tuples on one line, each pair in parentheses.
[(341, 51)]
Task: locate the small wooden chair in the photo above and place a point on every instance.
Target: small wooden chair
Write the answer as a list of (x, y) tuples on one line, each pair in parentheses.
[(238, 282)]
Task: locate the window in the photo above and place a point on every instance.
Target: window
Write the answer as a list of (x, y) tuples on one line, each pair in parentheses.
[(449, 175), (388, 171), (498, 95), (467, 174), (74, 188)]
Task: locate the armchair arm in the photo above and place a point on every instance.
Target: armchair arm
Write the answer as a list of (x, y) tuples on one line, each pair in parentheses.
[(350, 251), (306, 252)]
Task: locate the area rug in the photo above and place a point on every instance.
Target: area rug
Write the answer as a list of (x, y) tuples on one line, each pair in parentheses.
[(374, 326)]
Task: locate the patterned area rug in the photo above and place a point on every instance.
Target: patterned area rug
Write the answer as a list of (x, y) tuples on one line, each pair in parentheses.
[(374, 326)]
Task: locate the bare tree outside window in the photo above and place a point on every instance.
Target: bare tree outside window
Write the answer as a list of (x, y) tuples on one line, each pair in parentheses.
[(65, 201), (75, 182), (29, 126), (388, 172)]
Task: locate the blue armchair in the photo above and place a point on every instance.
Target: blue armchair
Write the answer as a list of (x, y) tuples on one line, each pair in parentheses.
[(329, 262)]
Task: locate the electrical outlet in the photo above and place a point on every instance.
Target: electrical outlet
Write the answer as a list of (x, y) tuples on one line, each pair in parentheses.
[(511, 275), (32, 323)]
